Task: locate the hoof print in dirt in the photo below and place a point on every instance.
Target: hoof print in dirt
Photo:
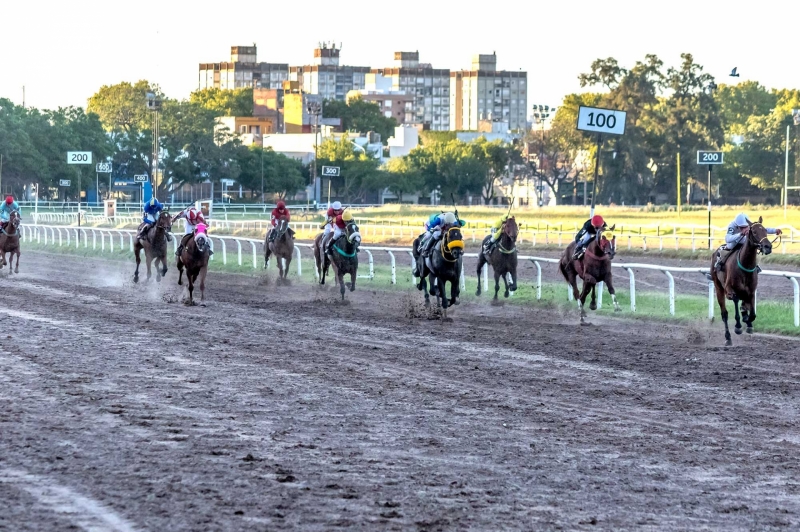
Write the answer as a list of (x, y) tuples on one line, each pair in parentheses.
[(286, 478), (392, 514), (497, 303)]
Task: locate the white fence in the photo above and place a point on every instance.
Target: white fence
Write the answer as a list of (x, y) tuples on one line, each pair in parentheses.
[(75, 236)]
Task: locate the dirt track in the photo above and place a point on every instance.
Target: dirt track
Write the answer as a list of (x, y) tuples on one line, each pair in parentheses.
[(275, 408)]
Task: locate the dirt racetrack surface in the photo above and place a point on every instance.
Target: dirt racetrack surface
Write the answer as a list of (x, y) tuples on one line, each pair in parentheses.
[(278, 408)]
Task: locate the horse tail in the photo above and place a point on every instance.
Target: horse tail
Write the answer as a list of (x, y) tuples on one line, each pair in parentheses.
[(563, 269)]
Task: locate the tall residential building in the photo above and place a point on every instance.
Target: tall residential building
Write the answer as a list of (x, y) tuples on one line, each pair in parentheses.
[(430, 88), (326, 77), (485, 93), (243, 70)]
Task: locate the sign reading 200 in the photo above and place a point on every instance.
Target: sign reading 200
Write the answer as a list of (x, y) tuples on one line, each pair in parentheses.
[(79, 157)]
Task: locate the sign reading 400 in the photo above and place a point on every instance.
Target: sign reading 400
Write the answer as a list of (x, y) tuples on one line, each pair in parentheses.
[(601, 120)]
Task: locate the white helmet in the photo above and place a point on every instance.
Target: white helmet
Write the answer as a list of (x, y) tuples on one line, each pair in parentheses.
[(336, 205), (741, 220), (449, 218)]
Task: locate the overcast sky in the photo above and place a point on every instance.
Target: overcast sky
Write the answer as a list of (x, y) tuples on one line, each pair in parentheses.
[(62, 52)]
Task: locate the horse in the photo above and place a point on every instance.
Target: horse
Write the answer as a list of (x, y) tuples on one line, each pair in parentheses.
[(503, 258), (282, 246), (738, 280), (9, 241), (343, 256), (154, 246), (593, 267), (442, 266), (194, 257)]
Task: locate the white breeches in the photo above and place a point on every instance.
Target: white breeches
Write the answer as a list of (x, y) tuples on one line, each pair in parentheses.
[(328, 229), (188, 228), (337, 232), (150, 218)]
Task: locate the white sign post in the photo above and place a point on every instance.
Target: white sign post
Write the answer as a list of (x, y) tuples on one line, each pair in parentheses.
[(79, 157), (600, 121), (102, 168), (142, 179), (710, 158)]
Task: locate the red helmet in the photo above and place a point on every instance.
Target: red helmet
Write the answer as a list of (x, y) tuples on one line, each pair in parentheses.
[(597, 221), (9, 200), (281, 205)]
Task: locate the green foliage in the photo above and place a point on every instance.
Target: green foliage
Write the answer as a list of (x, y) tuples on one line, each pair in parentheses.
[(360, 116), (224, 102), (429, 137), (277, 173), (360, 172)]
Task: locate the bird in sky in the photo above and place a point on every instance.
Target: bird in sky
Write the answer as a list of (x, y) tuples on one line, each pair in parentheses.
[(734, 74)]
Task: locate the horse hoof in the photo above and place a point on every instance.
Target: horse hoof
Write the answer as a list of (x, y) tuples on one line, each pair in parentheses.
[(585, 323), (136, 279), (749, 330), (456, 301), (737, 330), (506, 294), (477, 292), (728, 342), (617, 309), (592, 306), (158, 279)]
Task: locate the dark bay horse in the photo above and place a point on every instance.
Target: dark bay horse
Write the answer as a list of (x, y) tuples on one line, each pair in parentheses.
[(738, 279), (282, 246), (503, 258), (442, 266), (9, 241), (154, 245), (194, 258), (343, 256), (593, 267)]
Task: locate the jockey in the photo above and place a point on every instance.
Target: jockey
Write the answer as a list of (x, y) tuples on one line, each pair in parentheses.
[(8, 206), (193, 217), (339, 227), (496, 234), (152, 209), (587, 232), (437, 224), (330, 218), (737, 233), (280, 211)]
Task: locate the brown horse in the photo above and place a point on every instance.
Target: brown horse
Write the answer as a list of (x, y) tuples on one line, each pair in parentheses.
[(194, 257), (282, 246), (154, 245), (9, 241), (738, 279), (343, 256), (503, 258), (593, 267)]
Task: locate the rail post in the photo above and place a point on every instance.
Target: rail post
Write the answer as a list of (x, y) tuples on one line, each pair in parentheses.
[(538, 280), (711, 300), (485, 275), (671, 292), (253, 243), (632, 284), (239, 251), (299, 262), (796, 301), (394, 266), (413, 266)]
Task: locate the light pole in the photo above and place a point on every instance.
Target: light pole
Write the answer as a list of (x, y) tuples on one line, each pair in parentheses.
[(314, 109), (154, 105), (540, 114)]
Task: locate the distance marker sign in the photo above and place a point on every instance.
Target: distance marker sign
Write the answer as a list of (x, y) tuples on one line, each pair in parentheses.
[(330, 171), (709, 157), (601, 120)]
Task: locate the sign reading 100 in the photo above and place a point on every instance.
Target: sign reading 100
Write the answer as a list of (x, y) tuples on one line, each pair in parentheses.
[(601, 120)]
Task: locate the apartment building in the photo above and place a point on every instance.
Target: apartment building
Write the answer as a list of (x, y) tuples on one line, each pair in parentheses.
[(326, 77), (485, 93), (429, 87), (243, 70)]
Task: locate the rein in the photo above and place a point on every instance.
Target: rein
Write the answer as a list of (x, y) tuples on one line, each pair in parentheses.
[(342, 253), (441, 250)]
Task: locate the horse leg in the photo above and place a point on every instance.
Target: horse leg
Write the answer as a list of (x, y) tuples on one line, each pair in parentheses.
[(738, 327), (442, 295), (340, 280), (455, 291), (179, 265), (588, 286), (481, 263), (505, 280), (267, 253), (721, 301), (611, 291), (423, 285), (137, 250), (190, 278), (286, 268), (353, 281), (164, 263), (593, 303), (16, 269), (496, 282), (513, 272), (202, 276), (749, 313)]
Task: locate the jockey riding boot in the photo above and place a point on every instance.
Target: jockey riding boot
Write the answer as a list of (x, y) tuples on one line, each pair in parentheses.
[(758, 268), (718, 264), (169, 237), (578, 252), (272, 235), (426, 251)]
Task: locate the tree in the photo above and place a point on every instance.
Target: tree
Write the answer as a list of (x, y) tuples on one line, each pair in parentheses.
[(224, 102), (359, 171), (361, 116), (402, 177), (279, 174), (123, 107)]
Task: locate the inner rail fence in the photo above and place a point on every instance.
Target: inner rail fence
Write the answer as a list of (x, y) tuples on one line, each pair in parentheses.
[(121, 239)]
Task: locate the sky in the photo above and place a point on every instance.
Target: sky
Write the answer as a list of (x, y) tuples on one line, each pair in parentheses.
[(63, 52)]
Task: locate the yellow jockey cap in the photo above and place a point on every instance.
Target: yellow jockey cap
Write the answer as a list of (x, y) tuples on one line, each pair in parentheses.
[(347, 216)]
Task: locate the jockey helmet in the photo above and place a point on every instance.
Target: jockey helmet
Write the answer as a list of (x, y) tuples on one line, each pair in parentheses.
[(597, 221), (337, 206), (449, 218), (153, 200), (741, 220), (347, 216), (9, 200), (281, 205)]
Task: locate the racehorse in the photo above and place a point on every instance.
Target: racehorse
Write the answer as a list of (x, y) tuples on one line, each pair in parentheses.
[(593, 267), (738, 279), (503, 258), (9, 241), (154, 245), (282, 246), (343, 256), (442, 266), (194, 257)]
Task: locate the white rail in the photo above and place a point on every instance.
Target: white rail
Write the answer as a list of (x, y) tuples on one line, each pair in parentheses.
[(79, 236)]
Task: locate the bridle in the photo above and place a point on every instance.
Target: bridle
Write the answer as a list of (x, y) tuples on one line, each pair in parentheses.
[(759, 244), (513, 237), (455, 241), (599, 239)]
